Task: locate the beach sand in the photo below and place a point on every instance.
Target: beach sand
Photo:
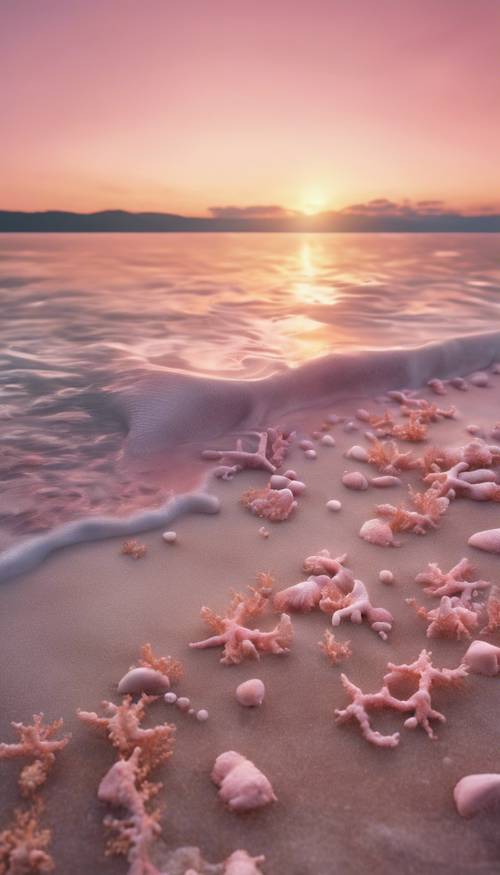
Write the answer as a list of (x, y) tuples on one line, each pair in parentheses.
[(71, 628)]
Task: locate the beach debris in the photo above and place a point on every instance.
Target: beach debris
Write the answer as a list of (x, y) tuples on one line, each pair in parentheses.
[(483, 658), (334, 504), (359, 454), (226, 472), (239, 641), (421, 672), (359, 607), (493, 611), (270, 504), (457, 581), (24, 844), (451, 619), (487, 540), (386, 481), (271, 451), (355, 480), (430, 506), (263, 532), (133, 549), (242, 786), (124, 731), (474, 793), (327, 440), (386, 577), (388, 458), (251, 693), (241, 863), (123, 787), (37, 743), (169, 537), (335, 651)]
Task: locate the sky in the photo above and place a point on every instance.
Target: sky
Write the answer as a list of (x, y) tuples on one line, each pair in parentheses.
[(187, 106)]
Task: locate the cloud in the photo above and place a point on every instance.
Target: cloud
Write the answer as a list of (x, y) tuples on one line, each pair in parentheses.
[(267, 211), (404, 209)]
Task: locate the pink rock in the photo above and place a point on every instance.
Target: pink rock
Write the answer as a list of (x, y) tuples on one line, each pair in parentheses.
[(241, 863), (291, 474), (386, 576), (362, 414), (483, 658), (474, 793), (480, 378), (251, 693), (378, 532), (297, 487), (488, 540), (306, 445), (355, 480), (242, 786), (279, 481), (310, 454), (386, 481), (327, 440), (143, 680), (437, 386), (459, 383), (359, 454)]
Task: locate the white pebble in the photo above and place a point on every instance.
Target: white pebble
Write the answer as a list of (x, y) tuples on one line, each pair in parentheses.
[(362, 414), (279, 481), (183, 703), (170, 537), (351, 426), (191, 711), (291, 474), (251, 693), (386, 576), (311, 454), (333, 504), (202, 715), (480, 378), (327, 440), (359, 454), (297, 487), (306, 445), (170, 698), (355, 480), (333, 418)]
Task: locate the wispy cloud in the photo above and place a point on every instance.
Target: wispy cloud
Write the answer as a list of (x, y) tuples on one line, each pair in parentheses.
[(258, 211)]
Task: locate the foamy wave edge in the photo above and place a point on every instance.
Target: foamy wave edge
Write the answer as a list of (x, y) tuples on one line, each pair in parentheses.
[(29, 554)]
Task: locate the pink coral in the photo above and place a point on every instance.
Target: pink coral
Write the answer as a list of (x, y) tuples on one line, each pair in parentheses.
[(421, 672), (270, 504), (388, 458), (493, 611), (360, 607), (23, 845), (152, 675), (456, 581), (303, 596), (37, 743), (133, 549), (239, 641), (271, 450), (242, 786), (241, 863), (450, 620), (335, 651)]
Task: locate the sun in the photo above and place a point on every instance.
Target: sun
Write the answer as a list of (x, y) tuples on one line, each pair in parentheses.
[(313, 203)]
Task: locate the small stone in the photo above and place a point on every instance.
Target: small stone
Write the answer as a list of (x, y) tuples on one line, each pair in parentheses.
[(297, 487), (333, 504), (279, 481), (191, 711), (327, 440), (143, 680), (386, 576), (170, 537), (202, 715), (183, 703), (311, 454), (350, 426), (291, 474), (359, 454), (333, 418), (251, 693), (362, 414), (355, 480), (480, 379), (306, 445), (170, 698), (263, 532)]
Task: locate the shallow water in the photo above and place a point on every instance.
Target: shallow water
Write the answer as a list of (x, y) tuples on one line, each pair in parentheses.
[(86, 315)]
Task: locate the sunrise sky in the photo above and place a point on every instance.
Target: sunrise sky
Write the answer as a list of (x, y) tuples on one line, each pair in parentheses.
[(183, 105)]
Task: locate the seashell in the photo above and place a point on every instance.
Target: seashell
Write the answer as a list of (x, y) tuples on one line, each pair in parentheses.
[(251, 693), (355, 480), (488, 540), (143, 680)]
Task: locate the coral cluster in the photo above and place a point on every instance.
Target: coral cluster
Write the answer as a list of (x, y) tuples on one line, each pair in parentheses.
[(271, 450), (270, 504), (133, 549), (421, 672), (238, 640)]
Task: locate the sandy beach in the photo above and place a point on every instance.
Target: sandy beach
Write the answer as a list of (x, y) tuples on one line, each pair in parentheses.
[(70, 629)]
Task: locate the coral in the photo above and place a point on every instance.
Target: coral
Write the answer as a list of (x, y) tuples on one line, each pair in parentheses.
[(323, 563), (493, 611), (270, 504), (238, 641), (360, 607), (271, 450), (23, 845), (451, 619), (382, 425), (133, 549), (167, 665), (241, 863), (135, 832), (125, 732), (303, 596), (335, 651), (387, 457), (430, 506), (456, 581), (421, 672), (38, 743), (476, 792), (333, 598), (242, 786), (413, 430), (427, 411)]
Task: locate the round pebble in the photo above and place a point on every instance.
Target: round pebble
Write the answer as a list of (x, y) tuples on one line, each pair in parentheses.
[(359, 454), (279, 481), (333, 418), (183, 703), (355, 480), (327, 440), (333, 504), (386, 576), (170, 698), (306, 445), (263, 532), (480, 378), (297, 487), (251, 693), (310, 454), (170, 537), (202, 715), (350, 426), (362, 414), (291, 474)]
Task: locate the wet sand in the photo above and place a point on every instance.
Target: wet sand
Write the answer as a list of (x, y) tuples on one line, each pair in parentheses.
[(70, 629)]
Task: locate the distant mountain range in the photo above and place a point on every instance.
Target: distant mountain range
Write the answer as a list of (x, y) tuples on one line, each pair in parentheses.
[(55, 221)]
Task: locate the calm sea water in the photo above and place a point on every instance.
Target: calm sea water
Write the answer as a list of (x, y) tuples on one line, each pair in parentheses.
[(84, 314)]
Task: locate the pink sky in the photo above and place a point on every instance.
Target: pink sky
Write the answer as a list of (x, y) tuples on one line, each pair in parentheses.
[(179, 105)]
